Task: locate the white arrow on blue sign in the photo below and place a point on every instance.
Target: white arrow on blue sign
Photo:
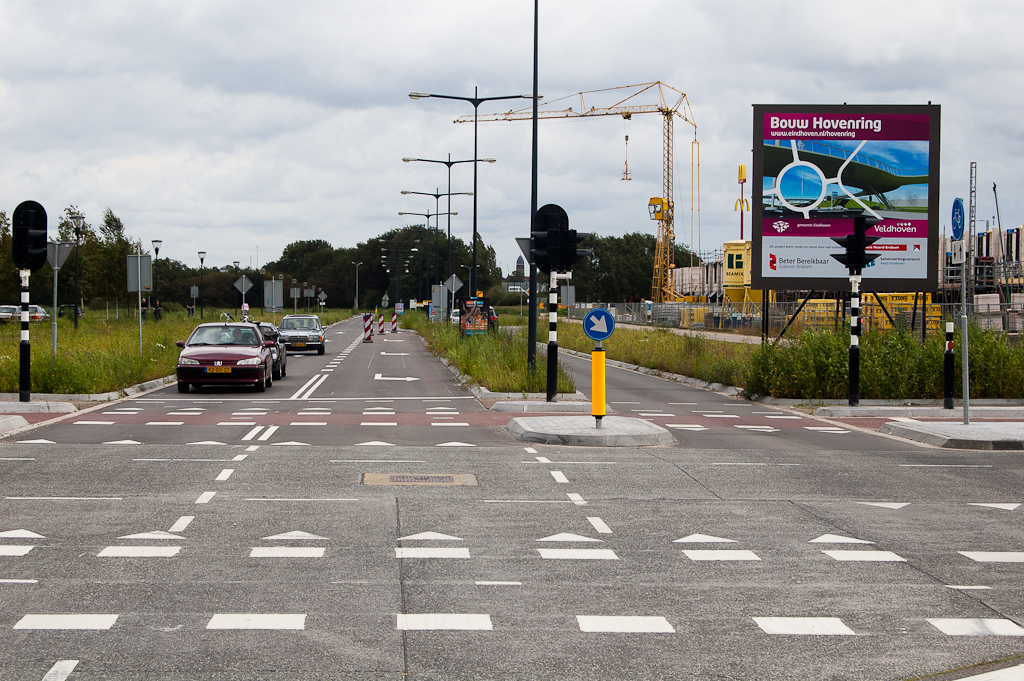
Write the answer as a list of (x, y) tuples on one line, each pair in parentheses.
[(958, 219), (598, 324)]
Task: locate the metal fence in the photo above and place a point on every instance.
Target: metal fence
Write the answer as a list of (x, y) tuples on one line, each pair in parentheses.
[(917, 313)]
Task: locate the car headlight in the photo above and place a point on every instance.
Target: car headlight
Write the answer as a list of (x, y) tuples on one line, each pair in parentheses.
[(251, 361), (187, 360)]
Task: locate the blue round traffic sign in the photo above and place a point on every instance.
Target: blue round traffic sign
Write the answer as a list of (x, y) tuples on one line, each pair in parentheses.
[(598, 324), (958, 219)]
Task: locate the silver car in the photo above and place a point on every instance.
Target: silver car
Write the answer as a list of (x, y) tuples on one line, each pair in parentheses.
[(302, 332)]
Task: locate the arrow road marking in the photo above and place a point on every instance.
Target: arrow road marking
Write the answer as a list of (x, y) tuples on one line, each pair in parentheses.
[(381, 377)]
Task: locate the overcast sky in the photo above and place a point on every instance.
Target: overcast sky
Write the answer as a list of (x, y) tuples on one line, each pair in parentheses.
[(237, 127)]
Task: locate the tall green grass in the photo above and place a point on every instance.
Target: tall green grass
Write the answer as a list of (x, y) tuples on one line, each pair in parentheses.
[(102, 355), (695, 356), (495, 360), (894, 365)]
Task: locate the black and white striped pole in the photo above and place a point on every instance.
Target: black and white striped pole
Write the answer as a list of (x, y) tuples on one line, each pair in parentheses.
[(552, 387), (28, 248), (854, 391)]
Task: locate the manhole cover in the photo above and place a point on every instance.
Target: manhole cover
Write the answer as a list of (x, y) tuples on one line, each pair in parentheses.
[(442, 479)]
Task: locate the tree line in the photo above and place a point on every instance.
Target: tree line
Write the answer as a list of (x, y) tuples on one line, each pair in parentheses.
[(402, 263)]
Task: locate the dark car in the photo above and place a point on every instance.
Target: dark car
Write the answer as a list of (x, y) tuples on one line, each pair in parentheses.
[(67, 310), (302, 332), (225, 354), (270, 332)]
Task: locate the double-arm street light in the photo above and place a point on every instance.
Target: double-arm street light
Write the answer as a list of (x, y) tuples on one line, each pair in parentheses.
[(450, 163), (397, 251), (476, 101), (437, 227)]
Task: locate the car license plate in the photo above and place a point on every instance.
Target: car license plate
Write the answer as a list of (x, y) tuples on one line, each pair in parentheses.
[(218, 370), (298, 345)]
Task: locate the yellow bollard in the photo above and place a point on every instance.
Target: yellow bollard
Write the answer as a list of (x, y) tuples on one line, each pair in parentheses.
[(597, 383)]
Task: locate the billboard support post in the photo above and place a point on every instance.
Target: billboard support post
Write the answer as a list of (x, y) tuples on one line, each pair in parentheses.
[(947, 361)]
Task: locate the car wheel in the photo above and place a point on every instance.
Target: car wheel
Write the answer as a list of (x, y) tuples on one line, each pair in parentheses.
[(261, 385), (276, 374), (284, 368), (182, 387), (320, 350)]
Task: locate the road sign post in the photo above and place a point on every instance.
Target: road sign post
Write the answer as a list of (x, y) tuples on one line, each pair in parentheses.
[(598, 324), (56, 253)]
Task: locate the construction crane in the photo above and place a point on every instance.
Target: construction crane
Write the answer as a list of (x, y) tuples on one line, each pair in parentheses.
[(660, 208)]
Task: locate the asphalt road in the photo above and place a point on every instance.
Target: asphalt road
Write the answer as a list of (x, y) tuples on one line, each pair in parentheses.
[(425, 551)]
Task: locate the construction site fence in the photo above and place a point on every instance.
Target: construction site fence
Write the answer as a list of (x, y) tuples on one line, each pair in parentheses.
[(894, 310)]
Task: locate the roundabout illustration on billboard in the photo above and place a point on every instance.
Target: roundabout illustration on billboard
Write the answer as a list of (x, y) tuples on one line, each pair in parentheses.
[(822, 167)]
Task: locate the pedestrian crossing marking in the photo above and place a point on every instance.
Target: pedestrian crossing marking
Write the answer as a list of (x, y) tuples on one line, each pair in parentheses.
[(436, 536), (624, 624), (566, 536), (804, 626), (703, 539)]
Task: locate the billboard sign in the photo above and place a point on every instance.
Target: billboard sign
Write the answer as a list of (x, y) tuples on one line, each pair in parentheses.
[(817, 168)]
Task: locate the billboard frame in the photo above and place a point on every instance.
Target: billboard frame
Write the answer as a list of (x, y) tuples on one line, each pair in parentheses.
[(853, 114)]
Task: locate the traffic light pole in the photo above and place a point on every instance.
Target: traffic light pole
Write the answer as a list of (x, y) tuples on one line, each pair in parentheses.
[(553, 334), (25, 347), (854, 391)]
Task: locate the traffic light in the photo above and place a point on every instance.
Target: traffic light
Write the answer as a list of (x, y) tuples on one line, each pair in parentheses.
[(548, 236), (570, 252), (28, 232), (855, 258)]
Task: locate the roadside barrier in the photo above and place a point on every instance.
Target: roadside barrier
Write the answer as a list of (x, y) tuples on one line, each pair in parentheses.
[(380, 321), (367, 327), (394, 322)]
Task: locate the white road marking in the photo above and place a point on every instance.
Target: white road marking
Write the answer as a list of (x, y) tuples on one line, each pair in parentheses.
[(239, 457), (155, 534), (224, 474), (21, 534), (165, 423), (443, 621), (378, 423), (432, 536), (624, 624), (994, 556), (976, 627), (296, 534), (139, 552), (967, 588), (382, 377), (268, 433), (559, 477), (576, 499), (14, 550), (308, 423), (287, 552), (568, 536), (838, 539), (577, 554), (237, 423), (599, 525), (294, 499), (720, 554), (205, 497), (19, 581), (498, 583), (1001, 507), (703, 539), (449, 424), (252, 433), (804, 626), (430, 552), (63, 498), (865, 556), (257, 621), (181, 523), (892, 505), (66, 622), (94, 423), (377, 460), (253, 448)]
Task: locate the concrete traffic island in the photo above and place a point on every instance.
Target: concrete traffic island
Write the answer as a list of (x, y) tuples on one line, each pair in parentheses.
[(581, 431)]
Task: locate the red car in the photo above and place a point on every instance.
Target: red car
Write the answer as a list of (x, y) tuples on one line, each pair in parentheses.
[(225, 354)]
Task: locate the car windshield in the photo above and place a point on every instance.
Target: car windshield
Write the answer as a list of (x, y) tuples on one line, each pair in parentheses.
[(298, 323), (224, 335)]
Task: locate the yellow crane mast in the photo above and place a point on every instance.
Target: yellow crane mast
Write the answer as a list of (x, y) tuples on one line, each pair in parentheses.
[(661, 208)]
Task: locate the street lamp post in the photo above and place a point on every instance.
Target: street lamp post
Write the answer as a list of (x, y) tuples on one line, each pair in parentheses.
[(77, 221), (437, 227), (202, 257), (449, 163), (156, 277), (235, 263), (476, 101), (398, 261), (355, 299)]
